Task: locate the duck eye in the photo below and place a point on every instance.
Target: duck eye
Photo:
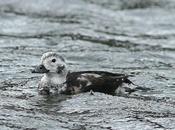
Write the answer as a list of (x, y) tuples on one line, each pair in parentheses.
[(53, 60)]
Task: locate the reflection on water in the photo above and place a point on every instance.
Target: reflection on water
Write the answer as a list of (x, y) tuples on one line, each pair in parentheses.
[(135, 37)]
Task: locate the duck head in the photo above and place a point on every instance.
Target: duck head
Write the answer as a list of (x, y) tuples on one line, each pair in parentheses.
[(51, 62)]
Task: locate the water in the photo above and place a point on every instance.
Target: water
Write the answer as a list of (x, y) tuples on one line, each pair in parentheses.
[(134, 37)]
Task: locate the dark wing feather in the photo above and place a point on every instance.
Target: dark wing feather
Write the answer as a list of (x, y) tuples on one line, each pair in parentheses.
[(102, 73), (106, 82)]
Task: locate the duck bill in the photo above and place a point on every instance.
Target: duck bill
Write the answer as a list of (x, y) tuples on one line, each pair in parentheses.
[(40, 69)]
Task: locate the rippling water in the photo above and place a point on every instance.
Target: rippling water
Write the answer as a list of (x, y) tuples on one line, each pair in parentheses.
[(135, 37)]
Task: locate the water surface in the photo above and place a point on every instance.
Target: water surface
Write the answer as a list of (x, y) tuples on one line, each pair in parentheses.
[(134, 37)]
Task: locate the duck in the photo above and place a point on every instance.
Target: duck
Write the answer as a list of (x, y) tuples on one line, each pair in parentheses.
[(57, 79)]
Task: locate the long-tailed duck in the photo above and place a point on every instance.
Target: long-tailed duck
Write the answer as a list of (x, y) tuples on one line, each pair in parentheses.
[(57, 79)]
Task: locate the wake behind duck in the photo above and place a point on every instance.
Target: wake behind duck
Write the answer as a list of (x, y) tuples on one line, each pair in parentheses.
[(57, 79)]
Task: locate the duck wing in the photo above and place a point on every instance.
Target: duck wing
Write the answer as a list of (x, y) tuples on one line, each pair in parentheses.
[(97, 81)]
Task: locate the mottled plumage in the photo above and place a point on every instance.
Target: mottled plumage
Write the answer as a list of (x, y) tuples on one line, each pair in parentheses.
[(97, 81)]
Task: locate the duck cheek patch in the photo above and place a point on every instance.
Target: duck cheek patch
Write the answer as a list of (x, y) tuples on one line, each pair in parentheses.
[(60, 68)]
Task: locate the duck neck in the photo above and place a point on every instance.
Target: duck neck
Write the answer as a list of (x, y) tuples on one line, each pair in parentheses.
[(55, 78)]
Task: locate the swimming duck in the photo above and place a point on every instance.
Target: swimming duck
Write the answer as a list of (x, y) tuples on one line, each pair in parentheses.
[(57, 78)]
